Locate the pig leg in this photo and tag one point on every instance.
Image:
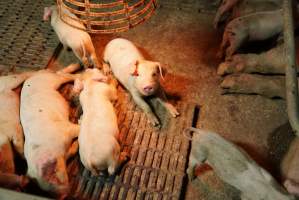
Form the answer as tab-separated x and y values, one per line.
18	140
70	68
169	107
94	60
72	150
81	55
106	68
146	108
6	155
198	157
236	39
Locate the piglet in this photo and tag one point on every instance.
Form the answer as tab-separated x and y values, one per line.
253	27
11	131
78	40
48	132
234	166
98	145
139	76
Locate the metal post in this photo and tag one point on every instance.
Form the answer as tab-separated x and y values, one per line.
291	69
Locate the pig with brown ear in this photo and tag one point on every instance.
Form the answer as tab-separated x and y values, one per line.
234	166
138	75
48	132
98	146
78	40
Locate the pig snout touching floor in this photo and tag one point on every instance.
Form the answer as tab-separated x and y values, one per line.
253	27
98	145
78	40
234	166
48	132
139	76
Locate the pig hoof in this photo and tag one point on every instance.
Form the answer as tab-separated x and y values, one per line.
155	122
222	69
174	112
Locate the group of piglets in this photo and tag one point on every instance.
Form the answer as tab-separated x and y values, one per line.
36	119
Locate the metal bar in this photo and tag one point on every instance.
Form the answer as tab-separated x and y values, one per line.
291	70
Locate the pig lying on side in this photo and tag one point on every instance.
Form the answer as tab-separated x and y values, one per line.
234	166
253	27
269	62
232	9
78	40
48	131
10	126
98	145
139	76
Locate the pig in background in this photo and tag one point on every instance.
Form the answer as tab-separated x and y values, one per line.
253	27
231	9
98	146
48	132
78	40
11	131
234	166
138	75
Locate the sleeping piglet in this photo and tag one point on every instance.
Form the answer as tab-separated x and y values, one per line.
233	166
48	132
98	145
253	27
11	131
78	40
139	76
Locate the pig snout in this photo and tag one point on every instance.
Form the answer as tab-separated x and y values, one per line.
148	89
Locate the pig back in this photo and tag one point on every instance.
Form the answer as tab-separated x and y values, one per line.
122	56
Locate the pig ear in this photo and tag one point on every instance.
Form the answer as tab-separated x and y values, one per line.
160	70
47	13
134	67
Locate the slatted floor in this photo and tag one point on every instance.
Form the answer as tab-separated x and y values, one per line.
157	164
158	158
26	42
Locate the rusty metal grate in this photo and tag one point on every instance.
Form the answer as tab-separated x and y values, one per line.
158	159
25	40
107	16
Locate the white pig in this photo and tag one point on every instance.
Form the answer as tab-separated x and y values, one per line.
78	40
98	145
48	131
11	131
139	76
234	166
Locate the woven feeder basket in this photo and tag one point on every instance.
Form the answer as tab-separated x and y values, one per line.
107	16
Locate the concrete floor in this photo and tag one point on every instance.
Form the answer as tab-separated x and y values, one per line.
180	36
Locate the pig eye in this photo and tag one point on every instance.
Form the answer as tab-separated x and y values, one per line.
154	74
